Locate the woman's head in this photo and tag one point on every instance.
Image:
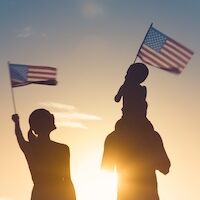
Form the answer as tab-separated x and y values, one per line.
137	72
41	121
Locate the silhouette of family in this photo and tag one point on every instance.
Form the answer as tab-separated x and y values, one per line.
134	148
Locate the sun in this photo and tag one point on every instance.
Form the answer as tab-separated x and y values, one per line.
101	185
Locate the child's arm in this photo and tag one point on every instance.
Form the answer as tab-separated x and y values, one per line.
144	92
20	138
119	94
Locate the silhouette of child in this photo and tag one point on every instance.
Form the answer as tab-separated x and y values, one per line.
133	93
48	161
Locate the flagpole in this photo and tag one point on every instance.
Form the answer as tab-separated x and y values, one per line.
143	42
12	91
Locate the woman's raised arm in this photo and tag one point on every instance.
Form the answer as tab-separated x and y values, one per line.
20	138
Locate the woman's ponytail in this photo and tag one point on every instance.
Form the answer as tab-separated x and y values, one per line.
31	136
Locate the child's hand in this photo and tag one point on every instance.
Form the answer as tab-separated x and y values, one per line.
118	98
15	118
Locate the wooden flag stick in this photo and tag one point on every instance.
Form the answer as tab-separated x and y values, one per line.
12	91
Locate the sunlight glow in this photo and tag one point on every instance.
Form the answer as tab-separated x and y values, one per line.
101	186
4	198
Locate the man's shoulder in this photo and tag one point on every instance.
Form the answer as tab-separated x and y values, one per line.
111	136
113	139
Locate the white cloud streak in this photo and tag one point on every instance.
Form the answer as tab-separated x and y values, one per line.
75	116
70	124
68	115
58	106
26	32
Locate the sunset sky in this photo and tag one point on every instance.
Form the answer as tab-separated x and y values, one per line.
92	43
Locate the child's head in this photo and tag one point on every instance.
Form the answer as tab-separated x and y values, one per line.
137	73
41	121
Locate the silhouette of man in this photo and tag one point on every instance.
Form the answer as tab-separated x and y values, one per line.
48	161
135	149
136	155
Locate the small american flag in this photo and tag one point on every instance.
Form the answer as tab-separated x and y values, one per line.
21	75
163	52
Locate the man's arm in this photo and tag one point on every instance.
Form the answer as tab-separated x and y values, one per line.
108	157
163	162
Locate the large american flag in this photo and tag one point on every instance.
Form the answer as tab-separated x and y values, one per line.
163	52
21	75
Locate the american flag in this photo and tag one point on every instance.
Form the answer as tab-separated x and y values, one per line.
163	52
21	75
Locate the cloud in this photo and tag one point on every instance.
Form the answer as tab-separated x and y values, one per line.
25	32
68	115
70	124
28	31
76	116
58	106
91	10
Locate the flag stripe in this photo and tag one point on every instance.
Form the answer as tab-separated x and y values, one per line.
41	76
42	70
41	67
157	63
152	59
41	73
181	46
183	54
50	75
160	57
152	62
157	56
38	79
174	55
169	45
164	54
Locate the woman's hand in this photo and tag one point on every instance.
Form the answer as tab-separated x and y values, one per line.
15	118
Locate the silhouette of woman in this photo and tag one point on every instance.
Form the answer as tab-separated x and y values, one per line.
48	161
